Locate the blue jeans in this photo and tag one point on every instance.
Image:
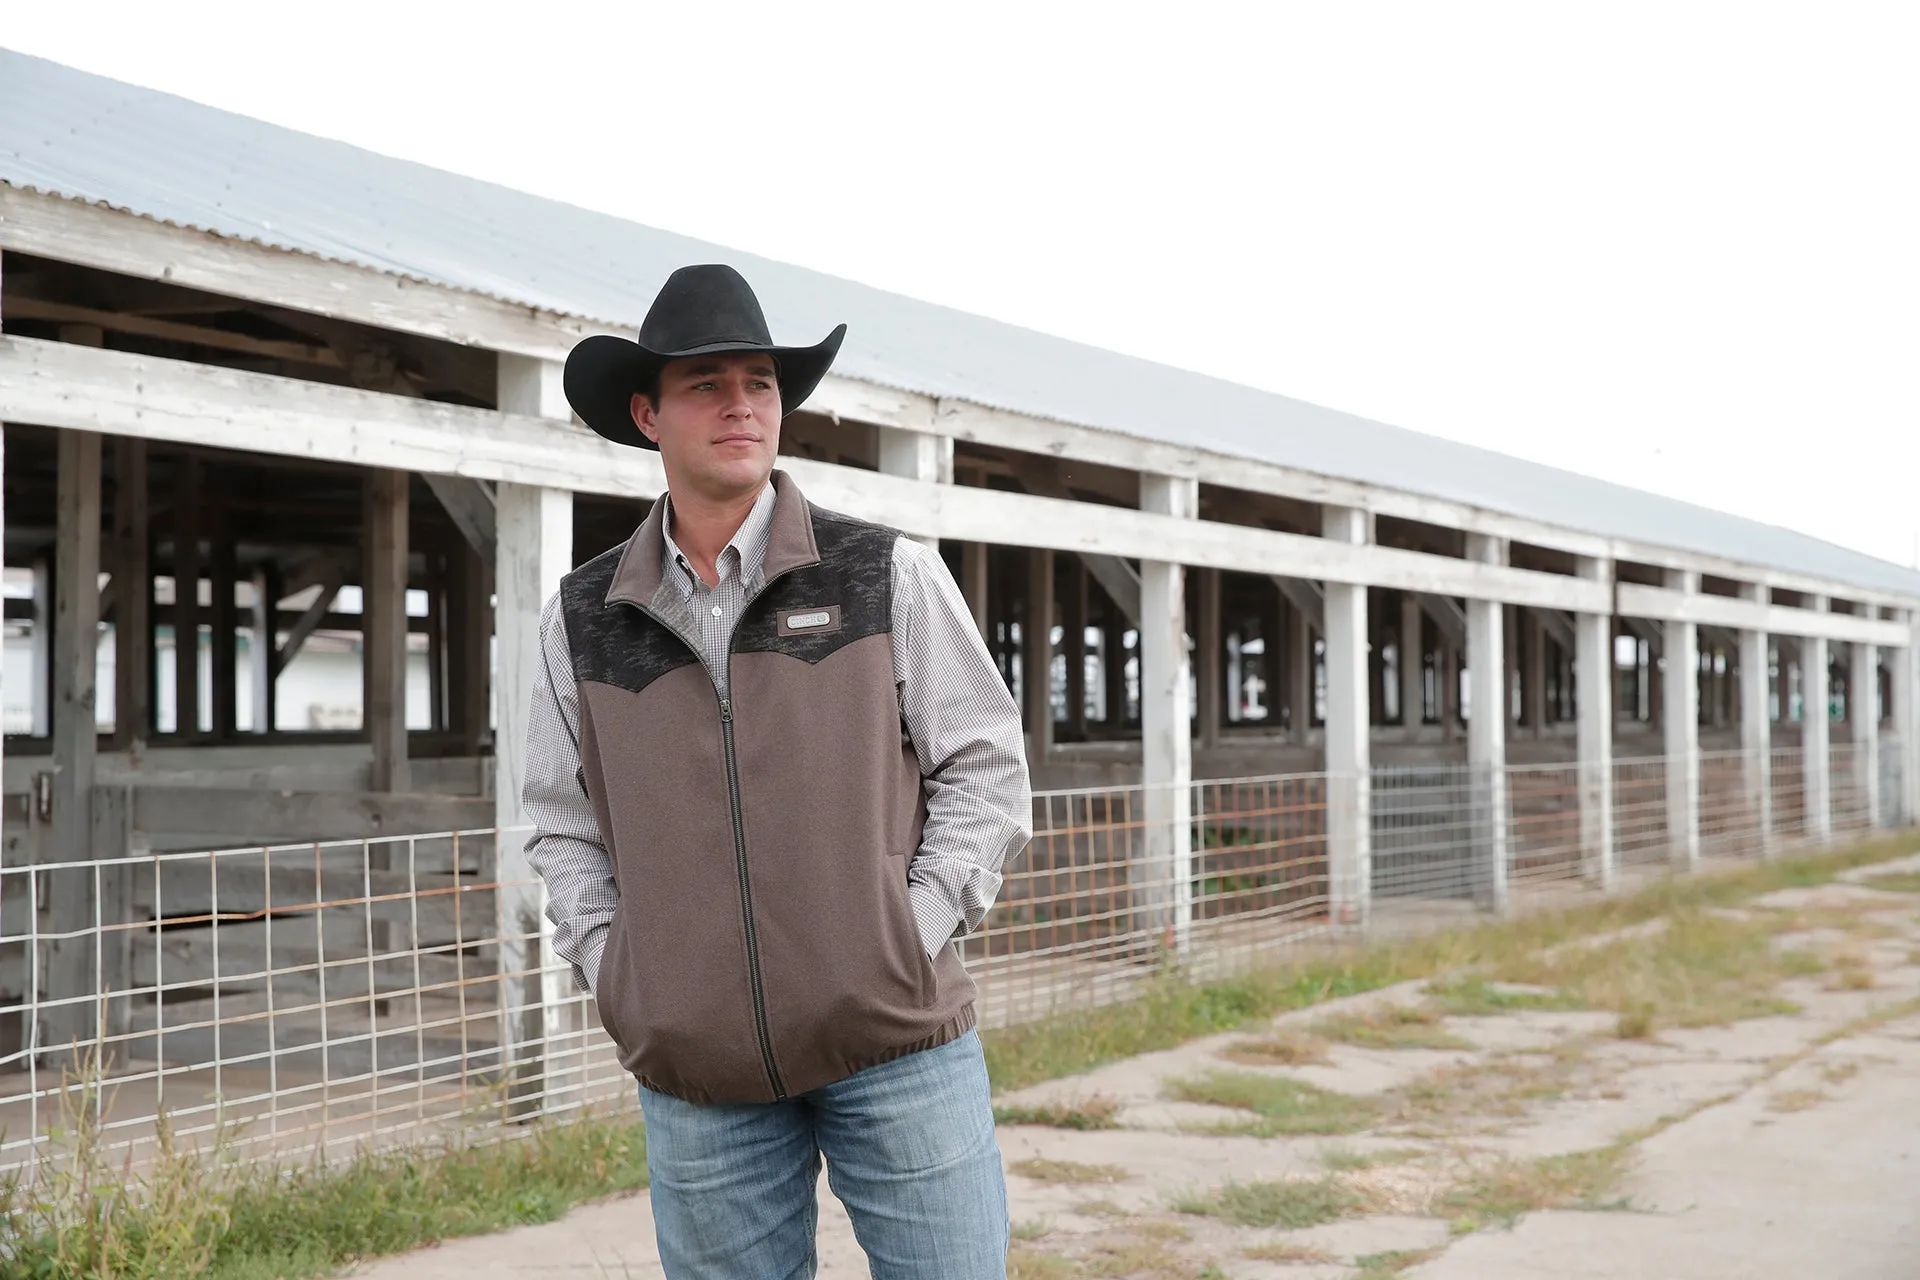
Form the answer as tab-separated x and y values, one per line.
910	1150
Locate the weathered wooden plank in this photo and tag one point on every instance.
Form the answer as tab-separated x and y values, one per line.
265	816
133	604
383	649
175	888
72	902
184	962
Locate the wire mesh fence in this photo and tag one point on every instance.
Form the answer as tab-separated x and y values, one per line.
317	998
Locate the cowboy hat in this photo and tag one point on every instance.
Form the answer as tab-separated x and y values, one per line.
703	310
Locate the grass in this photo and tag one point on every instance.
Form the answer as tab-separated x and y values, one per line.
1852	971
1501	1193
1284	1047
80	1215
1379	1266
1281	1107
1894	881
1096	1112
1475	1093
1791	1100
84	1215
1347	1160
1703	969
1474	996
1024	1263
1068	1171
1390	1027
1175	1010
1290	1204
1032	1229
1286	1252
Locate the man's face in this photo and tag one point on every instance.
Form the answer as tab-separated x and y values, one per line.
717	423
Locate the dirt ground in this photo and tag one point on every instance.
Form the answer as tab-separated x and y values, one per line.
1465	1129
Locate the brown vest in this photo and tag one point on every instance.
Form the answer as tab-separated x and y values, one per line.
764	945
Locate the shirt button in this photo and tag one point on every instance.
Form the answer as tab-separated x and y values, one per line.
716	611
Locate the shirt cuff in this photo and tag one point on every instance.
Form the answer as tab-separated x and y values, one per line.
590	958
935	915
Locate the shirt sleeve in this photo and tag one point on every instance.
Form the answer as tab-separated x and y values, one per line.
565	849
965	728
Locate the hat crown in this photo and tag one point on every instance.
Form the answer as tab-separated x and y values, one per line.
702	305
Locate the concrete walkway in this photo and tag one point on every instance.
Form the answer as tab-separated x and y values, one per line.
1785	1147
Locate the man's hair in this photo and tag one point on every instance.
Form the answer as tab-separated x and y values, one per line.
650	389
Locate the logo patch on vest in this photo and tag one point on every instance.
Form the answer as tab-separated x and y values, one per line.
809	622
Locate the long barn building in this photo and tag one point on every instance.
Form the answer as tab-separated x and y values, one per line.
321	389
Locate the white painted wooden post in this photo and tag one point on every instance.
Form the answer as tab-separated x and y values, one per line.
1863	709
1816	732
1593	688
917	455
1906	716
1680	723
1349	734
533	551
1487	719
1756	726
1166	723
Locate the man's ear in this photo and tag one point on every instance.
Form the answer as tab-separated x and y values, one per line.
642	409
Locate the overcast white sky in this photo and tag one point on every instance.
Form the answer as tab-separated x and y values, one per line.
1673	245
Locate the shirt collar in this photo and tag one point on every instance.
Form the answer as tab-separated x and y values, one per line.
748	545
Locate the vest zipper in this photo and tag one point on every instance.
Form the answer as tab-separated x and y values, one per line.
746	900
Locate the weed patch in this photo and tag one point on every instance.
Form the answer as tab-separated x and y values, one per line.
1283	1107
1068	1171
1291	1204
1096	1112
1501	1193
1347	1160
1285	1047
1392	1027
1473	996
1286	1252
1380	1266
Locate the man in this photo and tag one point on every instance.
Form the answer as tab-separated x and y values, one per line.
773	774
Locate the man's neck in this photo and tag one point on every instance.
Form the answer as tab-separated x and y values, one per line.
703	526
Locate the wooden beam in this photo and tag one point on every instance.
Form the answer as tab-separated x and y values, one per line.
133	610
223	574
383	609
1411	648
1447	615
917	455
1305	596
186	596
256	815
160	399
1073	622
470	633
1667	605
1560	626
70	905
1036	655
973	582
469	504
1208	649
309	621
173	331
264	655
54	227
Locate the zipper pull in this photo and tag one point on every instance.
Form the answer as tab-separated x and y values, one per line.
726	711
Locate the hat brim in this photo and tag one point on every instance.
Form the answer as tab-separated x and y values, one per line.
604	372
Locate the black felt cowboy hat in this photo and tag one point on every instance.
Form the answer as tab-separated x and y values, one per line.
700	311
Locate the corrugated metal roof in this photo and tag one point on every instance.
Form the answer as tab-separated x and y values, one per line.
89	138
